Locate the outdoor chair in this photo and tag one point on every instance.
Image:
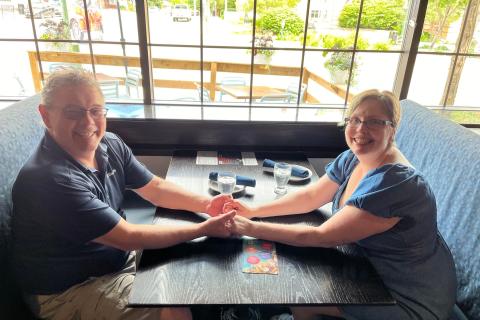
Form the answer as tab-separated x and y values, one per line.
231	81
292	89
133	80
205	93
277	98
109	88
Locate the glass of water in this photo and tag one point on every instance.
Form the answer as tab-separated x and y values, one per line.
282	172
226	182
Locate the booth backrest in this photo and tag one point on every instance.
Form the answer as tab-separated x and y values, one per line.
448	155
20	131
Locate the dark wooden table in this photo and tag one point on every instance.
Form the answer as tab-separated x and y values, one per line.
208	271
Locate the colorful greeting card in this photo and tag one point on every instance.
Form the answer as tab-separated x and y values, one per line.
259	256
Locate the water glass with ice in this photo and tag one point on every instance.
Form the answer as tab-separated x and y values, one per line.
226	182
282	172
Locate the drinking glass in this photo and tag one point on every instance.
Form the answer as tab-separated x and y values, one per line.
226	182
282	172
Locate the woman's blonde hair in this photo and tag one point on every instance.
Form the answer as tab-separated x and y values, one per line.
389	101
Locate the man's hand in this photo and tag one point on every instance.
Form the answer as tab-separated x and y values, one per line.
219	226
241	208
215	205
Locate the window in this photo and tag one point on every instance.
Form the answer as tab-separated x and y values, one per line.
282	60
448	60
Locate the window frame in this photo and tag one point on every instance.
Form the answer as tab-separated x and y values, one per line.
408	53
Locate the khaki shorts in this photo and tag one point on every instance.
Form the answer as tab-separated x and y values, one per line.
104	297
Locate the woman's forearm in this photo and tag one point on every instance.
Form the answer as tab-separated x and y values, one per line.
304	200
299	236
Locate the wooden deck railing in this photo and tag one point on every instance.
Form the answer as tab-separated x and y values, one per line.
211	66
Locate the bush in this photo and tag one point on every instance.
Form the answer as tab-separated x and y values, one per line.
442	48
313	40
383	46
376	14
272	22
342	42
339	60
426	37
155	3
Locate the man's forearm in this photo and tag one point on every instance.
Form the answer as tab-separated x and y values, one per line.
154	236
166	194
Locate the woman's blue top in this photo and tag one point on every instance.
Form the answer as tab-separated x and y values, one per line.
412	258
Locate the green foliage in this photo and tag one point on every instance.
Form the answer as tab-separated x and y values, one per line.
376	14
267	5
232	5
155	3
426	37
188	2
341	60
330	41
272	22
464	117
473	45
440	14
313	40
382	46
57	31
342	42
448	10
442	48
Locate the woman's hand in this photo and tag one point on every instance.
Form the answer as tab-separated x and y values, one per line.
241	208
216	204
242	225
220	226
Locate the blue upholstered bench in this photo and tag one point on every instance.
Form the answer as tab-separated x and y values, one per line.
448	155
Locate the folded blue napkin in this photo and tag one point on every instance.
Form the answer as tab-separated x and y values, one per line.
297	171
241	180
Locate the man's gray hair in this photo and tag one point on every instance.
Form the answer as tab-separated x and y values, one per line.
67	77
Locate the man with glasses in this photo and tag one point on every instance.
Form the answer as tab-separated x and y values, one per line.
73	249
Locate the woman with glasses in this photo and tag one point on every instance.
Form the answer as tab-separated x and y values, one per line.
381	203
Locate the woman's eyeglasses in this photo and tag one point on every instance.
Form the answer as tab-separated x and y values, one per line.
370	123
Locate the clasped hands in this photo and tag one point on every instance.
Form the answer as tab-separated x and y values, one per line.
228	217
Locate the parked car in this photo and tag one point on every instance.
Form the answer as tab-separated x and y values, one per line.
181	12
78	23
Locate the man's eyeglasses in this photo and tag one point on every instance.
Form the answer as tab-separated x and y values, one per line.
370	123
79	113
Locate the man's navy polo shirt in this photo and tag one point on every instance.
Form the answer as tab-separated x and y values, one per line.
60	206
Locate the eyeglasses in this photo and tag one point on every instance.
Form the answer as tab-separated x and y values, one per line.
370	123
79	113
